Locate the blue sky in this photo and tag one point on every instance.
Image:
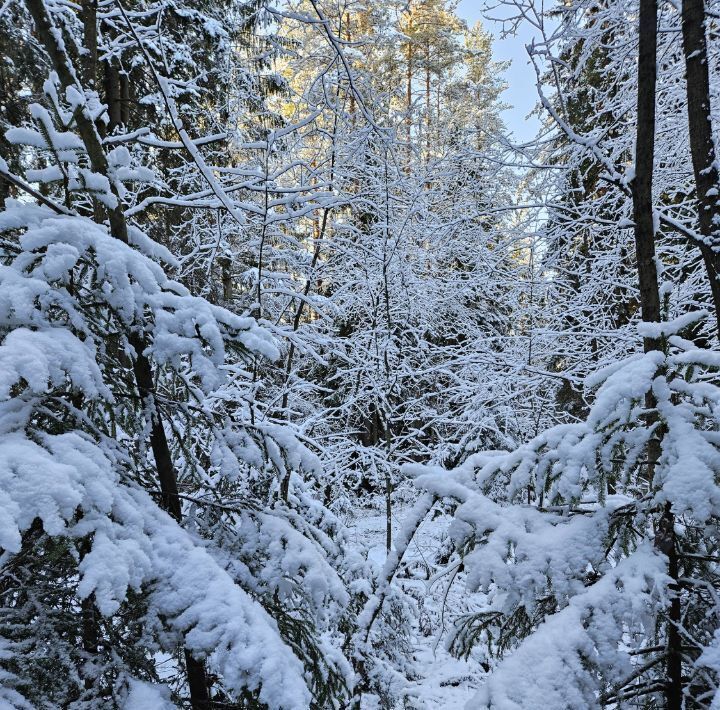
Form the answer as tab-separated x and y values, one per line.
520	77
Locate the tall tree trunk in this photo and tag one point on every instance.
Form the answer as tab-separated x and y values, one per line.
353	101
90	630
702	147
427	97
644	162
319	230
409	78
408	91
666	542
650	304
227	281
388	489
90	57
124	99
437	104
49	36
112	95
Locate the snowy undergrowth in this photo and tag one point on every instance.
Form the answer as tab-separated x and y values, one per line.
435	677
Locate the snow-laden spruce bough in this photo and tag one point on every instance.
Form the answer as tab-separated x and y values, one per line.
578	583
79	481
68	284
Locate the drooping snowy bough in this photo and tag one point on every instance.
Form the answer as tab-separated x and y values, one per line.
100	353
68	294
594	539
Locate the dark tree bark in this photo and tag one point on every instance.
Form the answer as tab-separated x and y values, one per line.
666	542
90	628
702	147
644	160
409	80
90	45
112	95
388	492
226	278
650	299
707	186
124	99
49	36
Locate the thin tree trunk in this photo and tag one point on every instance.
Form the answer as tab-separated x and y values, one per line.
112	95
644	161
318	238
408	91
427	96
437	102
353	102
90	635
702	147
388	491
409	78
49	36
285	483
124	99
90	57
389	326
226	277
665	541
650	304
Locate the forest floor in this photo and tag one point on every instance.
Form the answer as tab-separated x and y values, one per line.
439	679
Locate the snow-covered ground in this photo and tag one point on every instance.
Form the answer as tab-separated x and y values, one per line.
442	680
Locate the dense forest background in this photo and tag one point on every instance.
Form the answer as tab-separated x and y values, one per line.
319	391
